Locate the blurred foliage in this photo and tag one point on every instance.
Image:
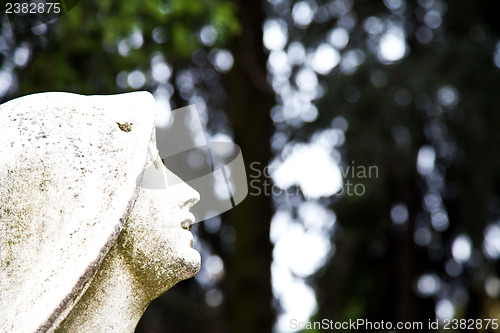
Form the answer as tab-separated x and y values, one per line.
86	48
375	270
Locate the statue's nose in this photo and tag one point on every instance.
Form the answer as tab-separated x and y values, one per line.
189	195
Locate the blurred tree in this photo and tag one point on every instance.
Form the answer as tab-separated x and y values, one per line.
250	98
416	84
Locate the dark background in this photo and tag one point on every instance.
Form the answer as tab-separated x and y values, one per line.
441	98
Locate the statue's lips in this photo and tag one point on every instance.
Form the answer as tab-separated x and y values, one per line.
186	224
186	237
188	221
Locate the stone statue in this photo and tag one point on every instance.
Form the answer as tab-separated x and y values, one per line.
90	229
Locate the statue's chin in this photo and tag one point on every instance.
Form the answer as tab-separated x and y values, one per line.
191	263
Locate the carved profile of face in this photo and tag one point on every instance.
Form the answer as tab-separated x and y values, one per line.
156	241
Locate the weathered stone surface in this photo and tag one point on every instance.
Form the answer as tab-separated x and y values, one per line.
153	252
70	166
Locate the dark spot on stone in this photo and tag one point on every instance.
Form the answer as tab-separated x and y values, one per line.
44	186
126	127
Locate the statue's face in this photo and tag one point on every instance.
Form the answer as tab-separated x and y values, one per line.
156	241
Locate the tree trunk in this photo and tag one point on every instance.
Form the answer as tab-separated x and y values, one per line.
249	303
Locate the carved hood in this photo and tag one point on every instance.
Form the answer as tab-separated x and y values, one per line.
69	169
